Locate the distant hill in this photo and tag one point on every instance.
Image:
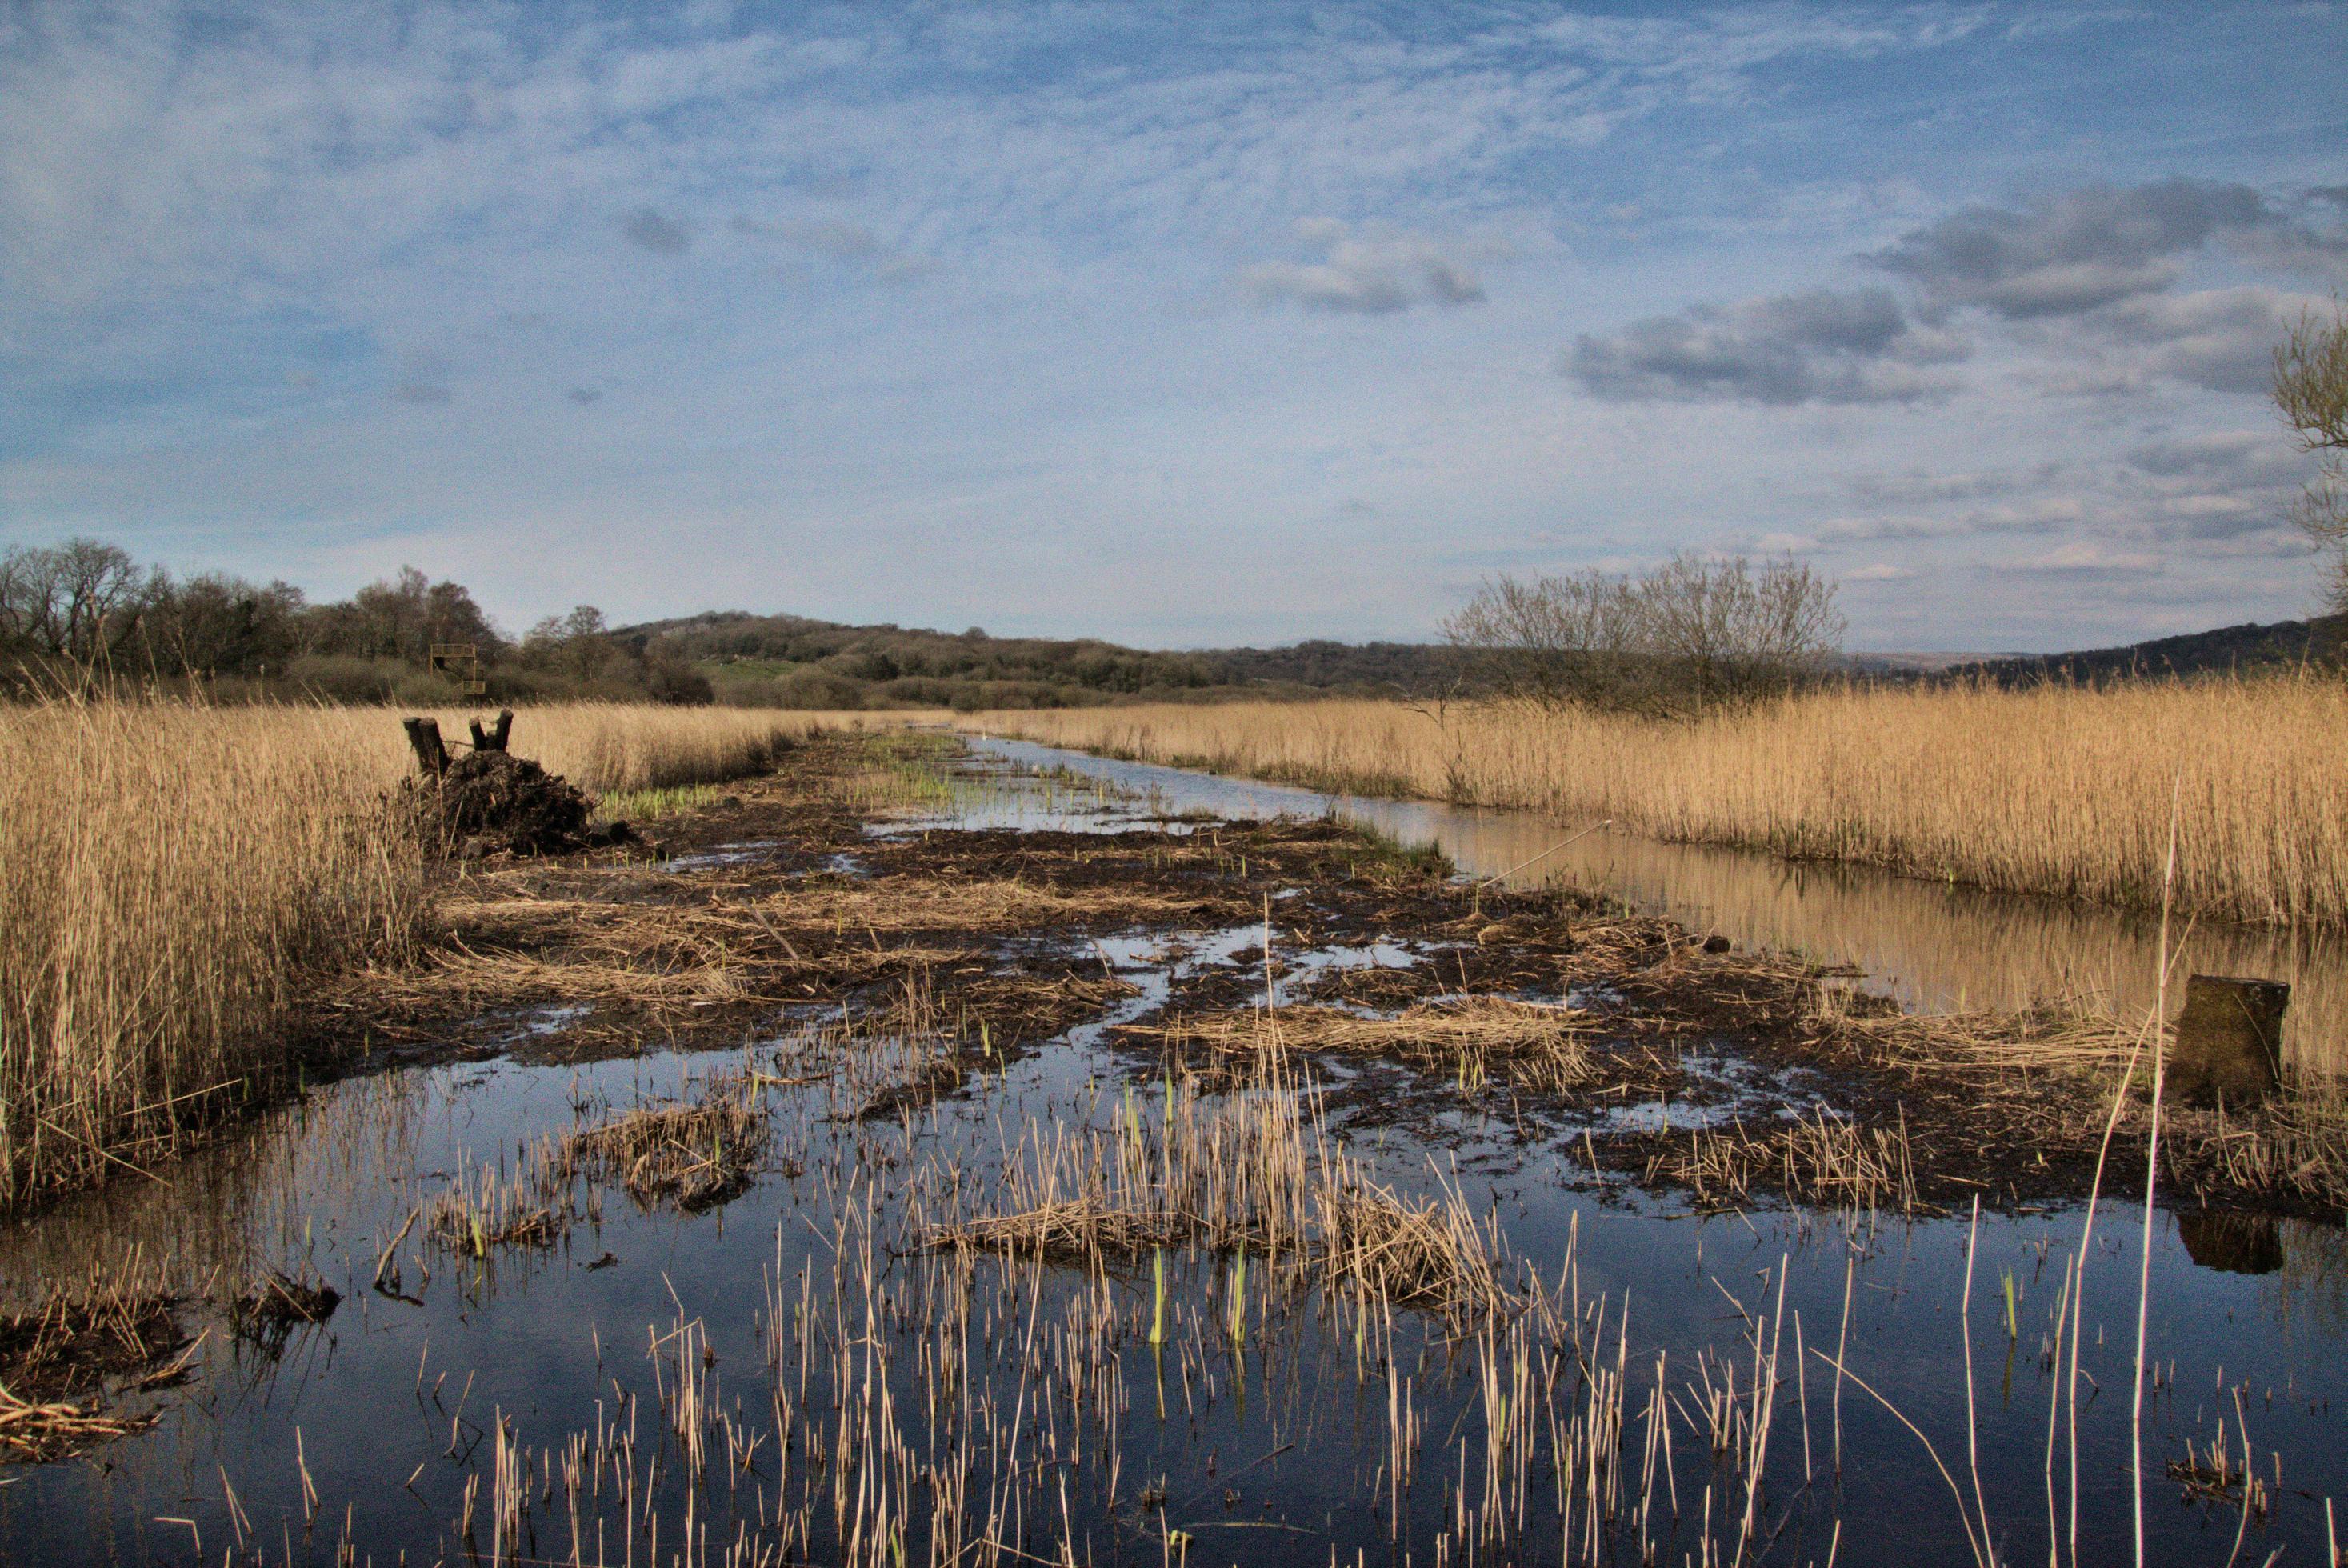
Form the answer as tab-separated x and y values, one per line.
2243	649
790	661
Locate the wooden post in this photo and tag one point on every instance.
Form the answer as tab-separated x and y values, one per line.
431	755
493	739
2229	1040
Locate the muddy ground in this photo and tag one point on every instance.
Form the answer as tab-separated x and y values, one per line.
1656	1056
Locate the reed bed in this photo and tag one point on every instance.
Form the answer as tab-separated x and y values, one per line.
2057	790
172	877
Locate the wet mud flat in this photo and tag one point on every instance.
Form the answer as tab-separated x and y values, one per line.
863	879
919	1160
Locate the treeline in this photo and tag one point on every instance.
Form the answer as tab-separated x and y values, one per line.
1366	669
86	612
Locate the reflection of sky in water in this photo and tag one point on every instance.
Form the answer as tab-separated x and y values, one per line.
342	1172
1933	947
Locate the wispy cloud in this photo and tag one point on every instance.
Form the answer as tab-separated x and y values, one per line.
2085	558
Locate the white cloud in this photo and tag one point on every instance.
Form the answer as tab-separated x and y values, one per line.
1365	275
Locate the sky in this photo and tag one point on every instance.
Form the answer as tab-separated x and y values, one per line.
1183	324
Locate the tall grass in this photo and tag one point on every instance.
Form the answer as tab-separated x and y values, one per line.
2057	790
170	874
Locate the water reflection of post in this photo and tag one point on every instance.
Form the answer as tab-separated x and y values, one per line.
2232	1243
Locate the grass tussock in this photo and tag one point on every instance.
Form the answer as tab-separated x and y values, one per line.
2058	790
1251	1171
477	1213
1817	1159
694	1155
172	876
61	1358
651	805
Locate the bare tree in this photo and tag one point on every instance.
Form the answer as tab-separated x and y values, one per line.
1692	634
1724	631
80	601
1555	640
2311	390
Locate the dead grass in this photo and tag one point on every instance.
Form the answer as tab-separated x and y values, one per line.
694	1155
1817	1159
487	1209
2056	790
1248	1171
60	1360
1541	1047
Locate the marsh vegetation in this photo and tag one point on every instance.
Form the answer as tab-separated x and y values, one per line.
926	1155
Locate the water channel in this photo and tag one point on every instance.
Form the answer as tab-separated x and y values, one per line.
1937	947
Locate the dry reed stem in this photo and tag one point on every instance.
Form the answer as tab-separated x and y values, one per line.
35	1432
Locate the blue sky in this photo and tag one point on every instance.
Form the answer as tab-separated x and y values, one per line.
1179	324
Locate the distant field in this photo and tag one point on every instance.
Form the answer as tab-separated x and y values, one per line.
169	874
2061	790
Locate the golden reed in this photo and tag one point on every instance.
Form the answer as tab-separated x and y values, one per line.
169	874
2055	790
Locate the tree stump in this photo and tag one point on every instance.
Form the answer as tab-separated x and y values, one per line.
2228	1044
431	755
